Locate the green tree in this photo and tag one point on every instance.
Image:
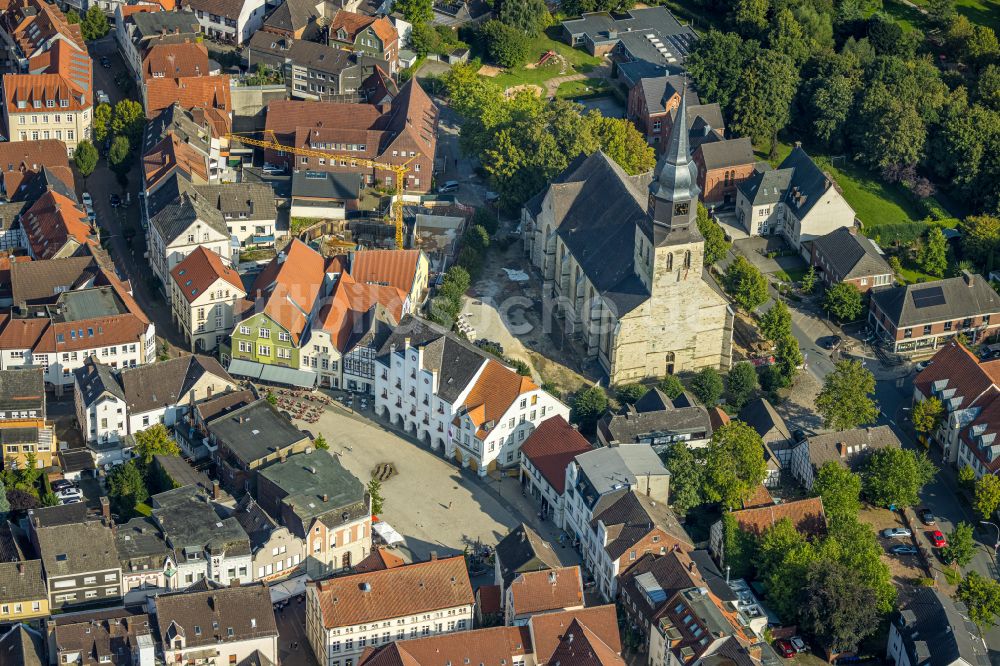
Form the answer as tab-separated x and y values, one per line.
980	239
507	46
750	17
716	245
417	12
716	62
894	477
889	127
126	488
734	464
808	281
529	17
588	406
987	495
628	394
4	503
981	596
741	384
782	560
844	301
855	545
101	123
72	17
776	323
95	24
85	158
787	359
786	36
739	547
927	415
845	400
622	142
320	443
745	283
118	156
837	608
154	441
940	12
271	398
128	120
762	106
707	386
477	238
895	265
967	477
840	489
686	473
961	545
934	255
671	386
375	492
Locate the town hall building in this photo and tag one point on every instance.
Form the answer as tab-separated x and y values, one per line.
622	262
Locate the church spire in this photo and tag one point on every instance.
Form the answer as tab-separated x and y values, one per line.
674	190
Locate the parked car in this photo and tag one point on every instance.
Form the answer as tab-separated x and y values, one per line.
798	644
272	169
923	365
492	197
449	186
105	62
938	540
62	484
69	493
927	517
784	648
71	500
830	341
115	200
902	549
896	533
87	200
102	97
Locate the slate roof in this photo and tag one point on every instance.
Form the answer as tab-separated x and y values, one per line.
710	572
226	615
149	24
455	360
657	91
597	207
255	521
633	516
326	186
551	447
845	446
850	254
523	550
255	431
141	546
22	646
766	186
644	422
61	514
96	379
760	415
936	631
612	469
917	304
340	65
22	390
253	200
176	120
175	218
37	282
727	153
167	382
807	178
292	15
670	573
22	581
77	548
101	634
403	591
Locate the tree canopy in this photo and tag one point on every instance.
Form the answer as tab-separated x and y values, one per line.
981	596
776	323
686	477
588	406
745	283
734	464
894	477
85	158
707	386
987	495
844	301
154	441
840	489
845	400
741	384
927	415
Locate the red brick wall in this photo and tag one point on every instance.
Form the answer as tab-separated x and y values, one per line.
648	545
713	183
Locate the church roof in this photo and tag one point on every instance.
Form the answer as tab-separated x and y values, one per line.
676	174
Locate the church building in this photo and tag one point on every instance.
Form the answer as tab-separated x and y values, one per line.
621	260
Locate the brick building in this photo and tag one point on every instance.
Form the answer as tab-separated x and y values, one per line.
845	256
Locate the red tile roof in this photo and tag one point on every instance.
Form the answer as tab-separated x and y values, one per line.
760	497
53	222
494	392
488	600
494	646
354	23
548	631
200	270
211	94
351	301
172	154
20	160
393	267
539	591
128	10
807	516
961	372
178	60
552	447
399	592
378	560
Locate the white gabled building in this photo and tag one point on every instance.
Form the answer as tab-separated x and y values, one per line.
204	290
449	393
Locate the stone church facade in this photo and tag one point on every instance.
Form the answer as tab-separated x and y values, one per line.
621	258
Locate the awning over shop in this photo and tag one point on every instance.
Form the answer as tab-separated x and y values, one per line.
290	376
245	368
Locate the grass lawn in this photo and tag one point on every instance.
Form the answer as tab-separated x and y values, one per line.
983	12
576	61
586	87
906	16
874	201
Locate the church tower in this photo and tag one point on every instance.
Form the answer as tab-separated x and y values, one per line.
673	194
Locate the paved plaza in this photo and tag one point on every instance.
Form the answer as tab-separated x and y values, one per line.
433	503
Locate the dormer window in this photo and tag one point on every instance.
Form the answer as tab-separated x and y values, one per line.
64	103
37	104
21	104
50	103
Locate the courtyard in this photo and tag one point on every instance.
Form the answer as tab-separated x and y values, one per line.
433	503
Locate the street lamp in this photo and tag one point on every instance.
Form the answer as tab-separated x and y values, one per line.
996	546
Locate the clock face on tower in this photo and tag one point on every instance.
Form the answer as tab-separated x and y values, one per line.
681	208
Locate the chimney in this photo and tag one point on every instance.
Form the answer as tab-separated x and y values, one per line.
969	278
326	498
434	555
798	144
841	449
283	456
552	577
20	568
106	510
216	492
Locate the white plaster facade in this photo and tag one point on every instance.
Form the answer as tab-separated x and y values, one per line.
164	254
207	320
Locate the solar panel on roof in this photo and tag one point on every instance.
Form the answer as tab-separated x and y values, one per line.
928	297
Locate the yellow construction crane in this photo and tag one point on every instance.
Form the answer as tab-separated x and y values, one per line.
400	170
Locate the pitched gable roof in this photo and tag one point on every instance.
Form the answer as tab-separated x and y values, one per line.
967	295
550	630
807	515
850	254
201	269
496	389
288	287
56	226
541	591
957	378
551	447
